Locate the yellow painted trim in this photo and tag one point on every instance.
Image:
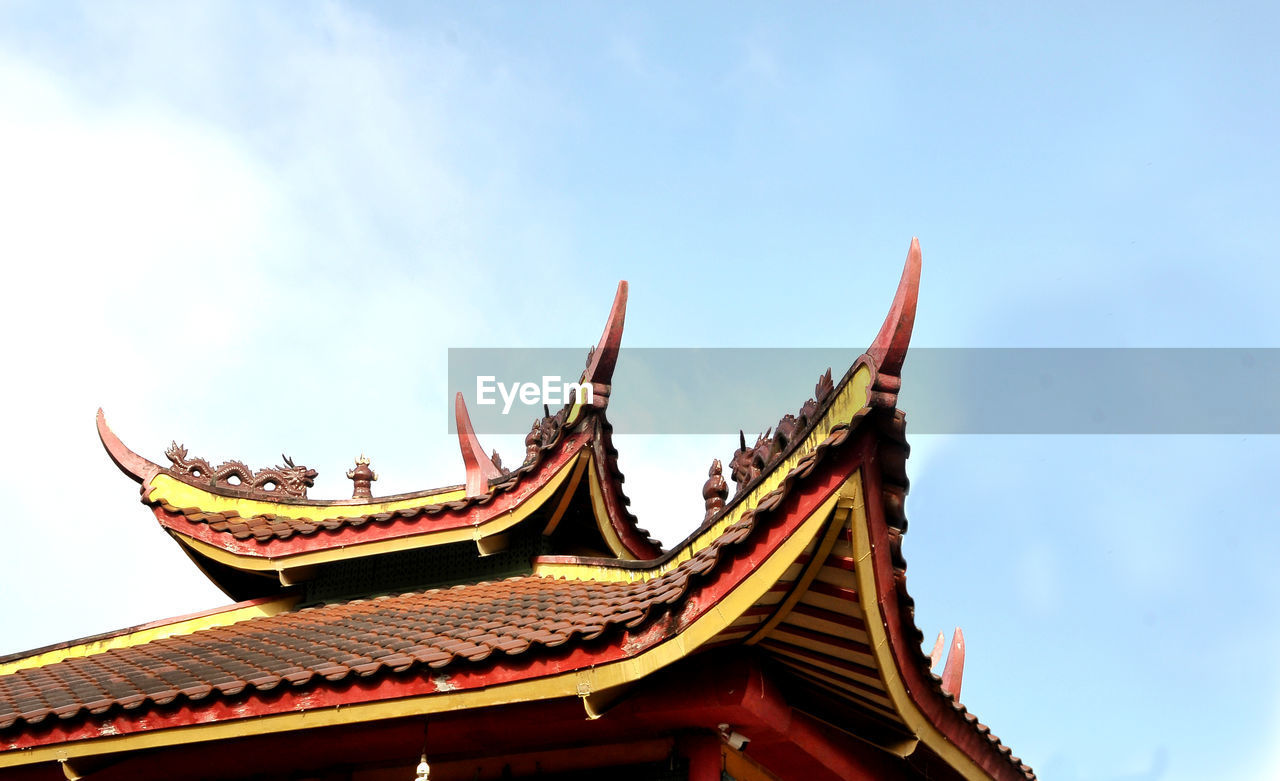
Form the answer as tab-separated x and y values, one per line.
579	683
602	518
567	497
810	573
851	399
150	633
174	492
879	642
438	537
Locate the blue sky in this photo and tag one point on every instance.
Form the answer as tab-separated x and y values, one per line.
258	228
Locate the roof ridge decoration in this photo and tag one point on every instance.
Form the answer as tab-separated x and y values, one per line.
286	480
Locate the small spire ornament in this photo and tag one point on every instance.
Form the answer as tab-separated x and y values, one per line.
363	478
715	490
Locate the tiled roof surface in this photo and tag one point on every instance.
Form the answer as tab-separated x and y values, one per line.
332	642
434	629
361	638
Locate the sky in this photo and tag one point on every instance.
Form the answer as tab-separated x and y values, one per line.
257	228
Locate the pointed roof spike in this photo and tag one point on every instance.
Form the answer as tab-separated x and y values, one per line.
935	655
953	673
889	349
605	356
480	468
132	464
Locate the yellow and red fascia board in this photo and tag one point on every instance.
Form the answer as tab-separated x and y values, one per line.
613	510
925	708
472	522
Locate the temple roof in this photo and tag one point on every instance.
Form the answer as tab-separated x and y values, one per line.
237	523
803	566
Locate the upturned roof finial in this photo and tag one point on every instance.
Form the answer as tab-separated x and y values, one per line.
480	467
889	350
604	356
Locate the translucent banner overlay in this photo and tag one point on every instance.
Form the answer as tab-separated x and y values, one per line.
944	390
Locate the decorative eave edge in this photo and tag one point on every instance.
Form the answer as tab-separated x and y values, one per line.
935	696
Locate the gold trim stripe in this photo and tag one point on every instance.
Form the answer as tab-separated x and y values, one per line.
172	491
408	542
816	562
149	633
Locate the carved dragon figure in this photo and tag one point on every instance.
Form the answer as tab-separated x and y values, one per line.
750	462
289	480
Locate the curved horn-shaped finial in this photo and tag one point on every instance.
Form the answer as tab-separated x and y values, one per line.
605	357
935	655
480	469
889	349
953	673
132	464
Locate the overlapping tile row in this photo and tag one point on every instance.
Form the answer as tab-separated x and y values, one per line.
361	638
330	643
268	526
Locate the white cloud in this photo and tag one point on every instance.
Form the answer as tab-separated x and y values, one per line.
244	260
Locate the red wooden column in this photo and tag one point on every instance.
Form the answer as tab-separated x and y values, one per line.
702	749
